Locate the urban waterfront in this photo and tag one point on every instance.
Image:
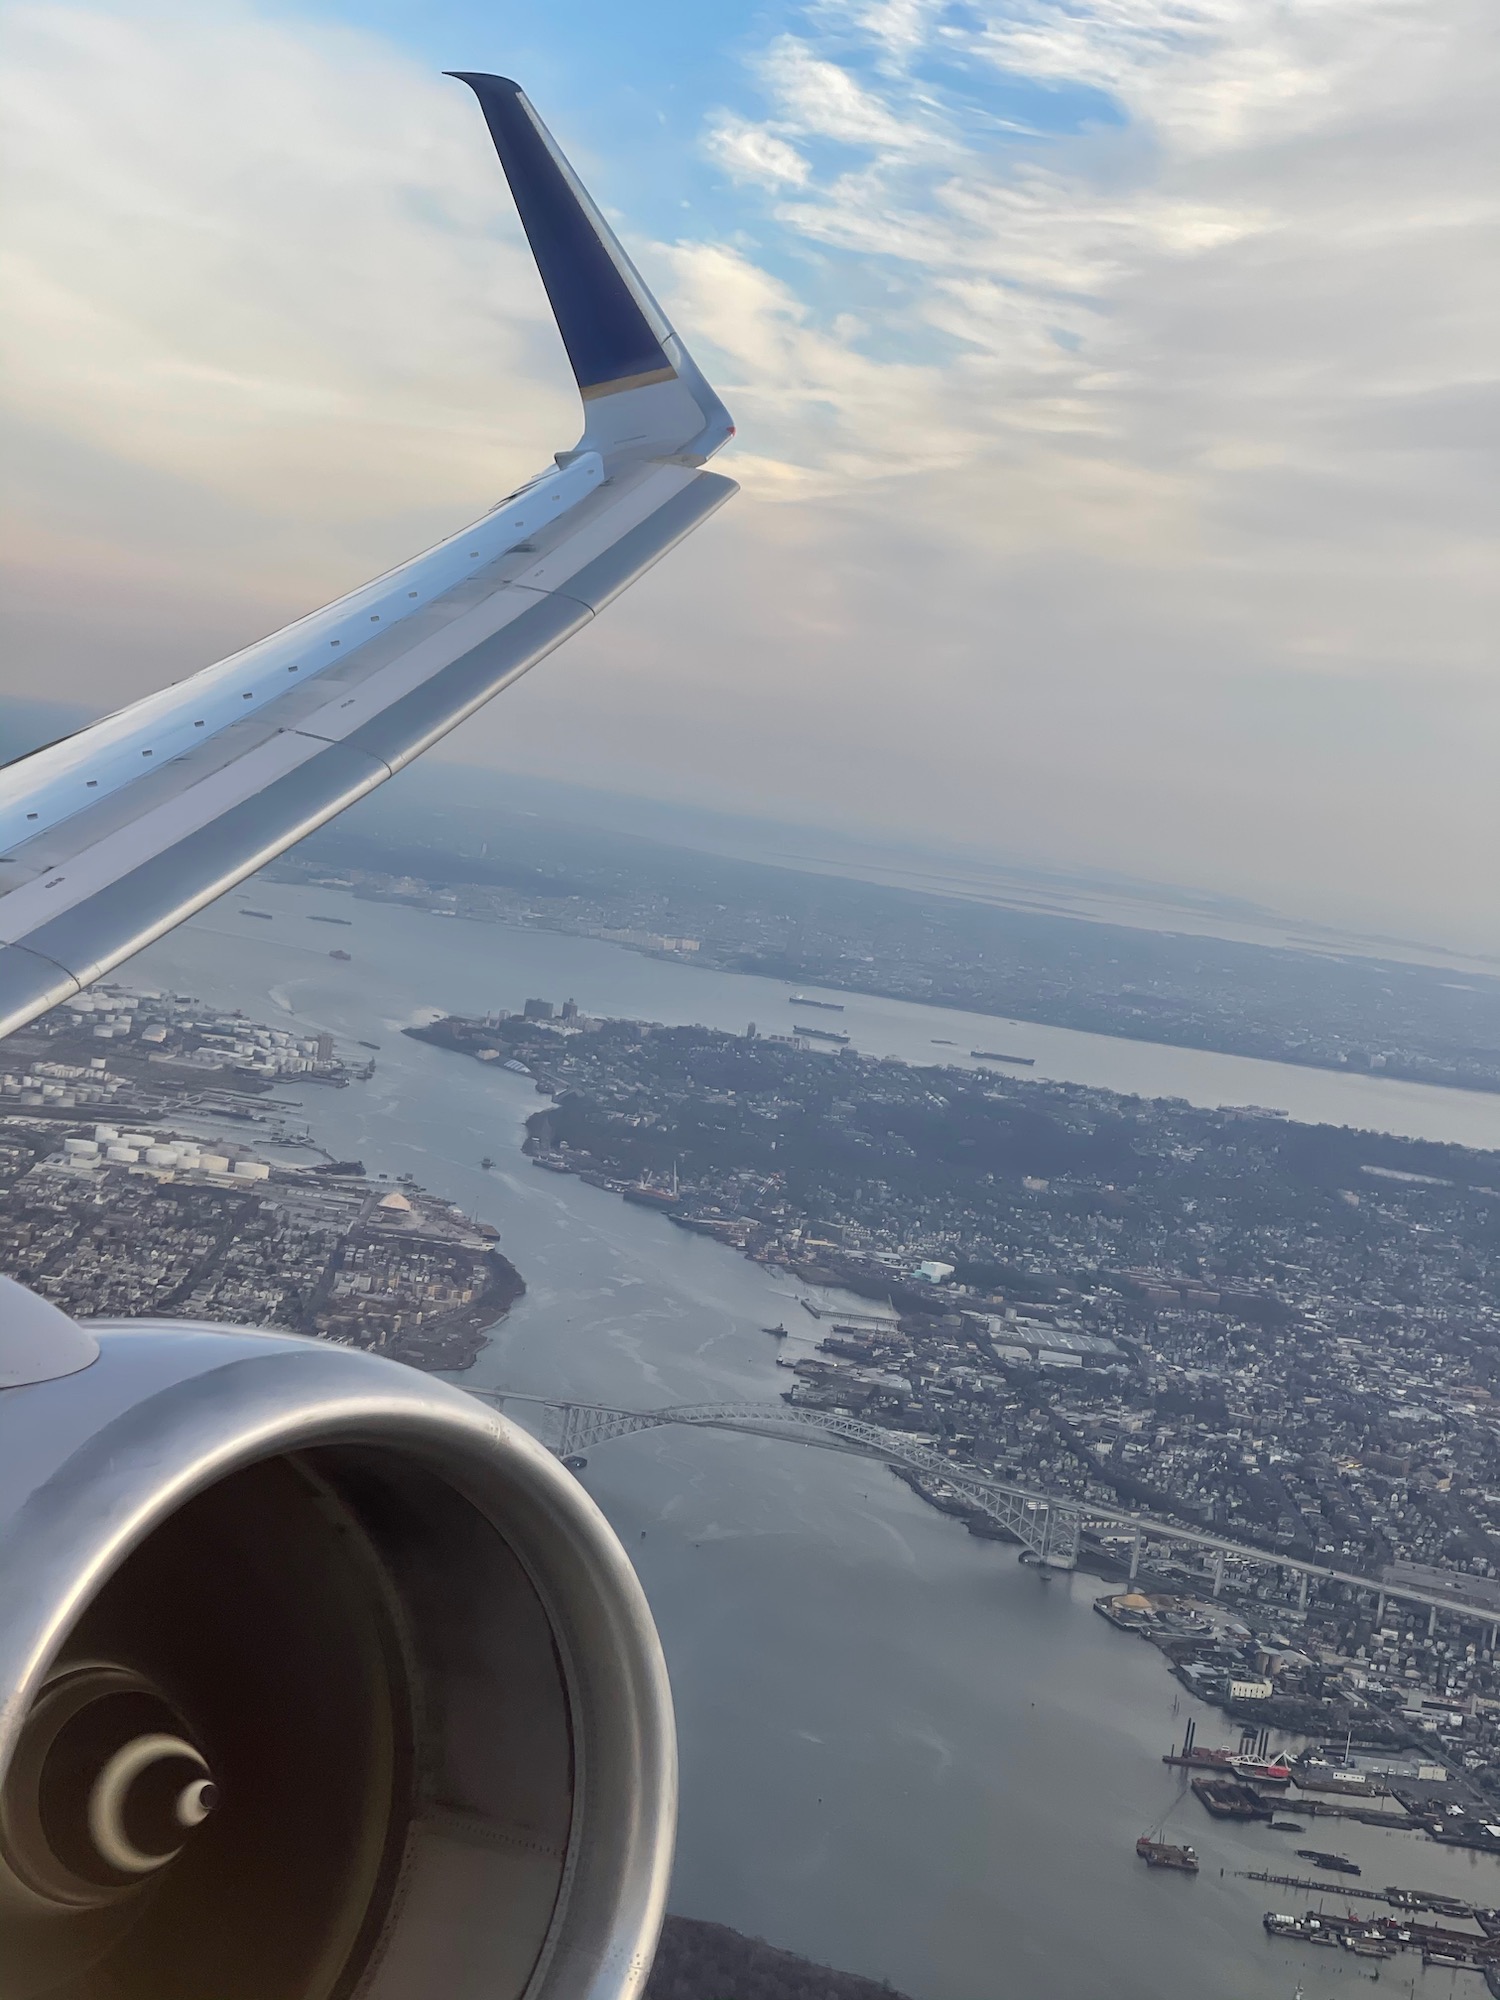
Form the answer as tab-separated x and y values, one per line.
902	1752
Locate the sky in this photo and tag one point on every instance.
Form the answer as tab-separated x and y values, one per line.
1116	385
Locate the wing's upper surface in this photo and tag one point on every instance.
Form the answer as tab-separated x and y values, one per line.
114	835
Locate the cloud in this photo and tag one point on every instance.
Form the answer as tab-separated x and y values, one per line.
314	312
1206	74
750	152
822	100
1196	384
897	29
841	417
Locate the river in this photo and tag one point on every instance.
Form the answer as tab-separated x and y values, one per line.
902	1752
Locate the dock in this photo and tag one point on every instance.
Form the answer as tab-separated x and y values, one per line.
1432	1902
1323	1886
1383	1937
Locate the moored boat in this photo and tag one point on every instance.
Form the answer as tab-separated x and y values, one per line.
1339	1863
1164	1854
1257	1771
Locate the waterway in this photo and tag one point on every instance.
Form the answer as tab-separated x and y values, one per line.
462	967
902	1752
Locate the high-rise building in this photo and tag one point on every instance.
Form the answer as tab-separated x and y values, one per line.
537	1010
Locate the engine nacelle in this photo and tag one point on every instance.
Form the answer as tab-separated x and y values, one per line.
318	1681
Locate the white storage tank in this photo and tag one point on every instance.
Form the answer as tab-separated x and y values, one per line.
213	1163
252	1170
81	1149
104	1133
161	1156
125	1156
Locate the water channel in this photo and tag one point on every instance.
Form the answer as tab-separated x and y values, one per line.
903	1753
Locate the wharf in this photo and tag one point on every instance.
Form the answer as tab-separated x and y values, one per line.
1388	1935
1409	1900
1323	1887
1365	1815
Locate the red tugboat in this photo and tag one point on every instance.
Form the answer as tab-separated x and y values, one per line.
1257	1771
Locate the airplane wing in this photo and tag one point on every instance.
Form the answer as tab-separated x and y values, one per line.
112	836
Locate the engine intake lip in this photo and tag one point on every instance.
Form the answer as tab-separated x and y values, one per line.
99	1462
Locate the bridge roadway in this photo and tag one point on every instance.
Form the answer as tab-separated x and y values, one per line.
1048	1524
1037	1520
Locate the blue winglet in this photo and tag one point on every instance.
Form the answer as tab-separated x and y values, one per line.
604	312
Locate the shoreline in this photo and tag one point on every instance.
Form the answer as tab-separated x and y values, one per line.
804	1644
747	966
453	1345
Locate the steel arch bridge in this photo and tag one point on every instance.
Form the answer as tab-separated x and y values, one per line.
1049	1529
1047	1525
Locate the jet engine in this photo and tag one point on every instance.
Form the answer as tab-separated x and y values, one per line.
318	1681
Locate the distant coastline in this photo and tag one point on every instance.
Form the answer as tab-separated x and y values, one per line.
1133	1022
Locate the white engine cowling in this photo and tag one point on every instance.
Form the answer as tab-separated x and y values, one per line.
318	1681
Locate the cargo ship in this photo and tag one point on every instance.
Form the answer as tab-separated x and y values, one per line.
1162	1854
827	1006
649	1197
996	1055
1307	1930
342	956
265	915
820	1034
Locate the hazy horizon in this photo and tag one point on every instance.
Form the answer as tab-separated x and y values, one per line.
472	802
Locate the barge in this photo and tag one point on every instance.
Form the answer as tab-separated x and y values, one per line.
1339	1864
1230	1798
1163	1854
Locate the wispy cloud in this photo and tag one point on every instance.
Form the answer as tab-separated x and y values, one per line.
344	274
822	100
751	152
